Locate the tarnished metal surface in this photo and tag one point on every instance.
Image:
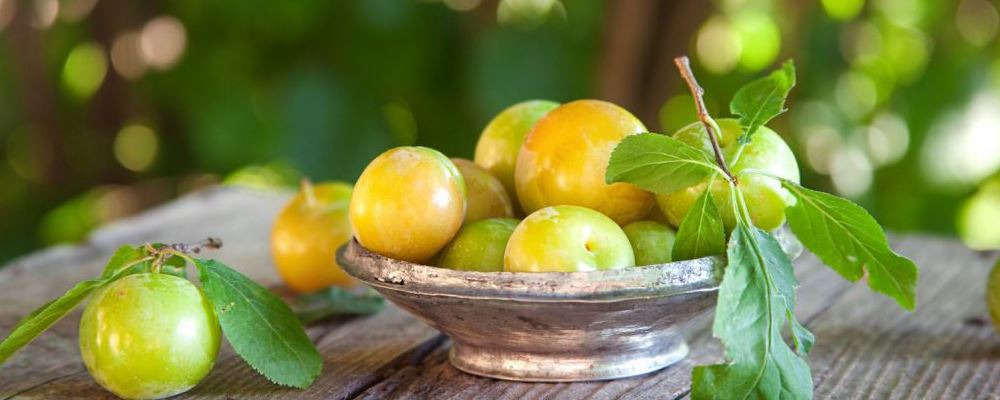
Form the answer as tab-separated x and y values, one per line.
549	326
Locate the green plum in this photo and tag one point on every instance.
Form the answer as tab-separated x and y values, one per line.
567	239
479	246
652	242
485	195
766	199
501	140
149	336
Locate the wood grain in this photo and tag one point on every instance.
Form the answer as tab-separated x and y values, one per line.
867	347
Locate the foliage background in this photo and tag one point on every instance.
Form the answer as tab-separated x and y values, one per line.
108	107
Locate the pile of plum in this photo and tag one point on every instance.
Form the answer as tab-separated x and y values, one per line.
546	162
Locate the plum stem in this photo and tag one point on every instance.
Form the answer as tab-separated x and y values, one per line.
684	66
308	192
195	248
182	250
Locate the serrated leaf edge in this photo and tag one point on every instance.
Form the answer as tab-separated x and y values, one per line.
313	374
908	304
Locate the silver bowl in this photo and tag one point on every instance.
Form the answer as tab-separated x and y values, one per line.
552	326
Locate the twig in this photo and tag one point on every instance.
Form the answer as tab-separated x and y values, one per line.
684	66
195	248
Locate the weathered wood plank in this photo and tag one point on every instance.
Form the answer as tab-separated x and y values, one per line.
355	356
871	349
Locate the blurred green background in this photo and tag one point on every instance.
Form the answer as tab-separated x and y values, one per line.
108	107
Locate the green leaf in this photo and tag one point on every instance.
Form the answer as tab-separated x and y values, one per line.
802	337
175	266
336	301
259	326
44	317
759	101
850	241
701	233
657	163
122	257
755	301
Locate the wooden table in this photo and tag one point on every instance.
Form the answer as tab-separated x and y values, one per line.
867	347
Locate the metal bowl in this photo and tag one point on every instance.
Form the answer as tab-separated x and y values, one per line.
552	326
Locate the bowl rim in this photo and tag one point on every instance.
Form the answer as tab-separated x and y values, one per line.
643	282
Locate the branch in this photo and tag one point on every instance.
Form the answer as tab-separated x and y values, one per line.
195	248
684	66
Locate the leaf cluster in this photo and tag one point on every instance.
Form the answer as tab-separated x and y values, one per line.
756	301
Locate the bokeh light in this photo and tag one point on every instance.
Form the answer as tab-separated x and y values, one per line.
856	94
813	123
843	10
718	45
887	139
860	40
905	13
978	217
880	74
162	42
977	21
135	147
528	14
963	148
44	13
760	39
822	143
85	69
907	50
851	172
126	57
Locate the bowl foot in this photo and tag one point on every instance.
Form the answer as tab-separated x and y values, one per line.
566	367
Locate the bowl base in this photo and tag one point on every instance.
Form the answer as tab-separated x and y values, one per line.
517	366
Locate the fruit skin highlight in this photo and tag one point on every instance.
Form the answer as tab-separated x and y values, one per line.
652	242
408	204
485	194
567	239
306	236
564	158
149	336
479	246
498	145
765	197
